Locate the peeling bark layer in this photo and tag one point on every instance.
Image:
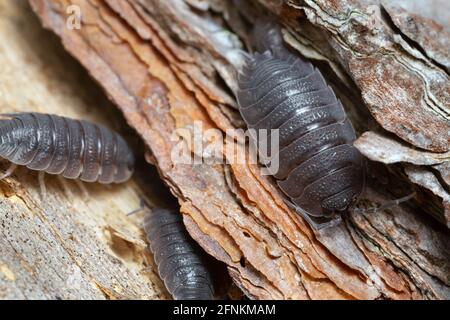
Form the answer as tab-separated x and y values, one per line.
168	64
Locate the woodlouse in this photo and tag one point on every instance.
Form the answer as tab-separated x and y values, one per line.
320	171
181	263
75	149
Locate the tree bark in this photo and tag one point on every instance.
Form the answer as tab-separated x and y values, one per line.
168	64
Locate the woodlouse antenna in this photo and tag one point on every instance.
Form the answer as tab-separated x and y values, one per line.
142	208
386	205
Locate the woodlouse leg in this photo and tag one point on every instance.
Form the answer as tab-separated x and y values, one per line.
387	205
9	172
64	184
42	187
83	189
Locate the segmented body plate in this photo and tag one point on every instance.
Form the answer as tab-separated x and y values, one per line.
75	149
181	263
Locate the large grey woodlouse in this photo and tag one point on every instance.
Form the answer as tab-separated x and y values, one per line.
320	171
75	149
181	263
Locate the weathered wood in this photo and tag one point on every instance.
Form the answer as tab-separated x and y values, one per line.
67	246
167	64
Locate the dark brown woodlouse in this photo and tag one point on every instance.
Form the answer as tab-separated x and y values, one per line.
75	149
320	171
181	263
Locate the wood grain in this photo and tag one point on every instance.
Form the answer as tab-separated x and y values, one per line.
67	246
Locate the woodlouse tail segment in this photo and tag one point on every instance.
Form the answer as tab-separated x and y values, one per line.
182	265
248	57
7	145
386	205
266	35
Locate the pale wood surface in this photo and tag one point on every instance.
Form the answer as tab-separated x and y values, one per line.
67	246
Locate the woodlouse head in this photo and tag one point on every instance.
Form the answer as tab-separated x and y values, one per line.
126	168
266	34
126	161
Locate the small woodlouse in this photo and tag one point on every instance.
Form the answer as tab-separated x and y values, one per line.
320	171
75	149
182	265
